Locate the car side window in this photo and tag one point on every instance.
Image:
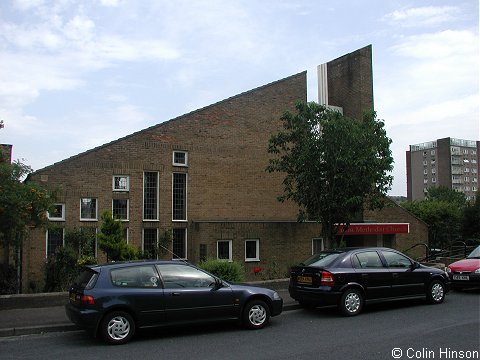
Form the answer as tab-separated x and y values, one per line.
144	276
176	276
367	260
395	260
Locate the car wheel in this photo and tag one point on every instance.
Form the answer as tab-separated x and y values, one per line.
351	302
117	327
256	314
436	292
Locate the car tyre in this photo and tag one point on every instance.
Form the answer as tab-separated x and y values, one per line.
436	292
117	327
351	302
256	314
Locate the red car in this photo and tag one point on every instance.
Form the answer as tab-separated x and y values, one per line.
466	273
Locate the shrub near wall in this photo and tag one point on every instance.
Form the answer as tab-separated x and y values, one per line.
229	271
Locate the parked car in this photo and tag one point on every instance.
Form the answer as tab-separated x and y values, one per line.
466	273
113	300
349	278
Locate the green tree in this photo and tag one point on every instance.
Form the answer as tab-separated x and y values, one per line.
442	210
112	242
471	219
22	205
444	193
334	166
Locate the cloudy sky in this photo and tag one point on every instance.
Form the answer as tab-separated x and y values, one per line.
77	74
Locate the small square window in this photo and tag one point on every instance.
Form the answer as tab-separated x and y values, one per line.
252	250
88	209
120	209
121	183
180	158
224	250
57	213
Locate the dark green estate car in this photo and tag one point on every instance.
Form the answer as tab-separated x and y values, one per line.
115	299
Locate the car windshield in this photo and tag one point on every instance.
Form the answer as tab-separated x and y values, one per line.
321	259
475	253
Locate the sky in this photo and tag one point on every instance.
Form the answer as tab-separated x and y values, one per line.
78	74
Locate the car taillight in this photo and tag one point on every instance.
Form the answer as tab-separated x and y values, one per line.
86	299
327	279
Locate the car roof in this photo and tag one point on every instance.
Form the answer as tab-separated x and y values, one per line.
120	264
354	249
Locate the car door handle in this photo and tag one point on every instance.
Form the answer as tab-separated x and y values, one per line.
395	275
175	294
365	276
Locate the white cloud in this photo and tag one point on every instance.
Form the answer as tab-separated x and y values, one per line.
28	4
438	45
110	3
423	16
79	28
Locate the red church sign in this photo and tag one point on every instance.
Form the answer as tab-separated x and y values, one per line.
374	228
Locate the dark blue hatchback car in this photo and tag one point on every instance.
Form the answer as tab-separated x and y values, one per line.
115	299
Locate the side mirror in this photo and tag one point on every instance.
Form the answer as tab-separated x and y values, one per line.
218	284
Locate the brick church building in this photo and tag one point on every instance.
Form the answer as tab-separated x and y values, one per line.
202	176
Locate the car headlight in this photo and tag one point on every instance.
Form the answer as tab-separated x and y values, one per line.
477	271
277	297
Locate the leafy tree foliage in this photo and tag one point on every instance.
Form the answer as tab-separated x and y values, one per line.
444	193
442	210
471	219
112	242
62	267
22	205
334	166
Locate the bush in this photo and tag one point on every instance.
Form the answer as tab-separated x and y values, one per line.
229	271
8	280
60	270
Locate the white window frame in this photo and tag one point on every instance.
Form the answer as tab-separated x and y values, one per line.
46	240
185	239
96	239
322	244
230	259
128	210
57	218
157	198
257	250
96	209
127	178
174	163
186	197
143	238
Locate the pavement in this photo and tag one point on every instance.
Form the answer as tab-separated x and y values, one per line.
38	320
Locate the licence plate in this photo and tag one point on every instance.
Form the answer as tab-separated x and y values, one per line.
461	277
304	280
